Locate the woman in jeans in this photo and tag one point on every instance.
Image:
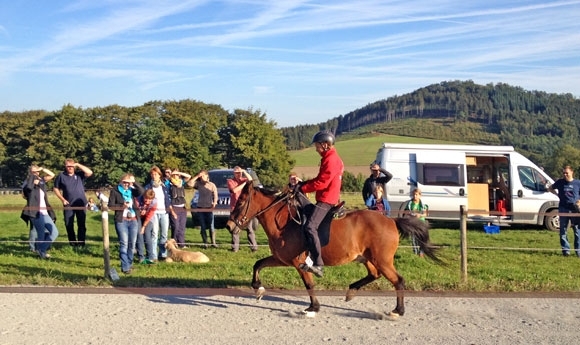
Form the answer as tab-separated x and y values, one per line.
126	225
38	210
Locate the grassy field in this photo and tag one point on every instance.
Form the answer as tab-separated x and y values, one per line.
513	260
516	259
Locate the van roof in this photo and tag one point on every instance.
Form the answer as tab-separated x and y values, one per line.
467	148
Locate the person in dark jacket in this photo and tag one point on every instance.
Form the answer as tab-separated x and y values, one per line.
326	185
38	210
126	224
379	176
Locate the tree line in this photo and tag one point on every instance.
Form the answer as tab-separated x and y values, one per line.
541	125
187	134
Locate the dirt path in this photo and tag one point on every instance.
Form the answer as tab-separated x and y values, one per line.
226	316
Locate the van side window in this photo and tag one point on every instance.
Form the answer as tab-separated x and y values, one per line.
532	179
440	174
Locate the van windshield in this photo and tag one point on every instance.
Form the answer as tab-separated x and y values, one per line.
532	179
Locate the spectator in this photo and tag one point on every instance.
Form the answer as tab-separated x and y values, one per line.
293	180
167	177
69	188
379	176
207	200
91	206
235	186
327	186
167	182
416	208
161	219
378	202
38	210
147	208
126	225
178	210
568	190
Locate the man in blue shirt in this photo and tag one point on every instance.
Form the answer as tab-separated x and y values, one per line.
569	194
70	189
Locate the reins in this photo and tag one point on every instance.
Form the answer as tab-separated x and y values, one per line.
244	218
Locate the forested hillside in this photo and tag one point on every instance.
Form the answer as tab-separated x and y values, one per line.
537	123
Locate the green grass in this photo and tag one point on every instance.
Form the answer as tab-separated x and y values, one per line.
522	259
358	150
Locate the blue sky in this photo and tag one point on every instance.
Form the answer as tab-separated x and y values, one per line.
300	62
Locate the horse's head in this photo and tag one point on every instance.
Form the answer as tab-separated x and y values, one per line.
243	211
251	203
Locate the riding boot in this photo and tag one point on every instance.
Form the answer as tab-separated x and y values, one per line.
213	244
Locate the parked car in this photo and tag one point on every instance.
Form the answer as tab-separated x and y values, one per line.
222	210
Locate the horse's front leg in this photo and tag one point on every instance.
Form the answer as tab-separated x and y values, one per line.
270	261
308	280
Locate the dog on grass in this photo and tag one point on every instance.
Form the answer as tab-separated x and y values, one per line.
178	255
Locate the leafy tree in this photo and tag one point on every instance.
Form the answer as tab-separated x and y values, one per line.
250	140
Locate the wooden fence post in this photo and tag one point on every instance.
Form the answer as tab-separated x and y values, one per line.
463	241
109	273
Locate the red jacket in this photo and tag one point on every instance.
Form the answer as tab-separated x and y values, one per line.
328	182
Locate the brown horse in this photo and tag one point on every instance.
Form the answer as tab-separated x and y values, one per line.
365	236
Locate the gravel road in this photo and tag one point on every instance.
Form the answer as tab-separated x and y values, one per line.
233	316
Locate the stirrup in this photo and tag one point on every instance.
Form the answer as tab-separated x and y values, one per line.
338	210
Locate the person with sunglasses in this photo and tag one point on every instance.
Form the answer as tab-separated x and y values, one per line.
121	200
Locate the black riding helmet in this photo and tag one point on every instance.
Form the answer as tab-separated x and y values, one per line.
323	137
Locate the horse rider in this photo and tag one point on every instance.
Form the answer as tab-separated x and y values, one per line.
327	185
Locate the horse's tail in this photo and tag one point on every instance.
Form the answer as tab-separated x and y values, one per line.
414	227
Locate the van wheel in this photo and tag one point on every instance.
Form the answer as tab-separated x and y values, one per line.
552	222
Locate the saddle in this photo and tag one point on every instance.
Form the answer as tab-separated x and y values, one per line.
336	212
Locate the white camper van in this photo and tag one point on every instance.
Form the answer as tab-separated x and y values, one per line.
496	183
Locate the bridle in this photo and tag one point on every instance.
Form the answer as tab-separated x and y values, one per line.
240	221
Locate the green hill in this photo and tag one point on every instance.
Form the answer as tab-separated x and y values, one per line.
541	126
358	149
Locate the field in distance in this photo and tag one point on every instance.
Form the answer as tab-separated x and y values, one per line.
357	153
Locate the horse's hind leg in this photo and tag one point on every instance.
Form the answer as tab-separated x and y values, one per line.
270	261
372	275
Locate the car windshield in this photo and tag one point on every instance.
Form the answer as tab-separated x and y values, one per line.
220	178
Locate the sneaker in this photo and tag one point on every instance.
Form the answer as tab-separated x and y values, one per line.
43	255
146	262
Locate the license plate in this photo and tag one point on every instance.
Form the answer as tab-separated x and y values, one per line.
221	212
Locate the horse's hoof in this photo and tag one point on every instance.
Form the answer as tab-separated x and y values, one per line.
393	315
350	295
260	293
309	313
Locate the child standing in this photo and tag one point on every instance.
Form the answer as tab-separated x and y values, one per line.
416	208
378	202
